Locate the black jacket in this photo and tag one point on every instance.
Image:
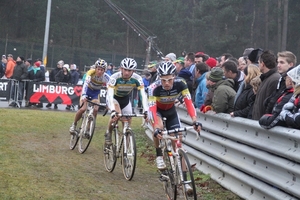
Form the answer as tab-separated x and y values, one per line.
244	103
53	74
39	76
20	72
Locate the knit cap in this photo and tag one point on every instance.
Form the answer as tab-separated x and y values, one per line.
216	74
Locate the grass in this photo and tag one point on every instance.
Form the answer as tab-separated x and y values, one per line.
36	163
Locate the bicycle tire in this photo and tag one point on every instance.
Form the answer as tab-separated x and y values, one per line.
74	138
129	158
185	163
87	133
109	151
169	184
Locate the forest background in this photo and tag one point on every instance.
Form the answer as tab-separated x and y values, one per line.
84	30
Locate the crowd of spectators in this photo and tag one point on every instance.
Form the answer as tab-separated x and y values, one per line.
257	84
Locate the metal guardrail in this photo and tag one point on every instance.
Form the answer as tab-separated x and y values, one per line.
252	162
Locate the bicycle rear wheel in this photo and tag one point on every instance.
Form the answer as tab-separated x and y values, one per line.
187	185
168	178
129	157
87	133
109	151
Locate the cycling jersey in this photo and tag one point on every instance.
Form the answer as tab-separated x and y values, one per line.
165	99
118	88
94	82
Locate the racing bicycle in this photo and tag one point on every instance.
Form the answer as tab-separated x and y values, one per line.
84	133
177	177
123	146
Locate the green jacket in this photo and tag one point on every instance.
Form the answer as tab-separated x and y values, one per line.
223	98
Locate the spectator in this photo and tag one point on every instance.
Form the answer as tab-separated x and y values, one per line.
211	62
269	79
201	90
110	69
246	53
286	61
152	67
20	73
52	78
3	66
64	76
244	102
184	73
74	75
268	121
223	98
189	63
231	71
254	55
201	57
28	64
10	66
42	66
170	57
224	58
290	111
36	75
242	63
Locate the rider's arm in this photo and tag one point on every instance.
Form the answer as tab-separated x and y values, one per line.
152	110
143	97
110	94
189	104
87	82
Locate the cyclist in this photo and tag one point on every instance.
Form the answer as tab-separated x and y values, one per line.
162	95
94	81
118	93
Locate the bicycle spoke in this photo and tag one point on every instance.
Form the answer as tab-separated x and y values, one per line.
168	178
187	185
129	157
86	134
110	154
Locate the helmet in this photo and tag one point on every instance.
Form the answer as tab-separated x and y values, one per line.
101	63
166	68
128	63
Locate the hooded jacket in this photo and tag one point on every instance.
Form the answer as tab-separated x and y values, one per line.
223	98
244	102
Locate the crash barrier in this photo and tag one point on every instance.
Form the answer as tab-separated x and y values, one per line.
248	160
43	92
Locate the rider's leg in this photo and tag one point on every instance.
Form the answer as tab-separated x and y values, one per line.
78	116
109	126
159	154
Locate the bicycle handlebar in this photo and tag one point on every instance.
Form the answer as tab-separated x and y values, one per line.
130	115
165	134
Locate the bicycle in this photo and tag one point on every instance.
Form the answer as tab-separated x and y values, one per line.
178	175
84	133
124	146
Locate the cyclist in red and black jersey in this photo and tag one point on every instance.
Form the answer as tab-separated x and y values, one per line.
162	95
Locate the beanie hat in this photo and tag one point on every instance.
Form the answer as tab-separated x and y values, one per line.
66	66
38	64
29	60
170	56
254	55
211	62
247	51
216	74
294	74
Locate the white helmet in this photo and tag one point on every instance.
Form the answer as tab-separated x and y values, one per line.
166	68
128	63
101	63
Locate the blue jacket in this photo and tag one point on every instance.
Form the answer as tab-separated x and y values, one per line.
201	91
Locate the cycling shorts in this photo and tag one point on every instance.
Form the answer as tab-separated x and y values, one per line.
172	117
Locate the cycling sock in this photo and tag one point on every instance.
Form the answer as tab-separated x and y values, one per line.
158	152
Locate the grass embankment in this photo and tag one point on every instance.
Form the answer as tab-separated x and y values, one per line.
36	163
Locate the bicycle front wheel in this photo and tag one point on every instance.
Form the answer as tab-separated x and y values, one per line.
168	179
86	134
187	185
129	155
109	151
75	137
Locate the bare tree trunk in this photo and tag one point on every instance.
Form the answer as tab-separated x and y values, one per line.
284	25
252	24
267	25
279	26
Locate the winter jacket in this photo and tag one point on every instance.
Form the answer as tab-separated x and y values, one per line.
244	102
36	75
223	98
268	84
53	74
238	80
268	121
10	68
20	72
74	76
201	91
292	118
186	75
63	78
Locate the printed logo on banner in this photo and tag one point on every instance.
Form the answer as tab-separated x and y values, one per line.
5	86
